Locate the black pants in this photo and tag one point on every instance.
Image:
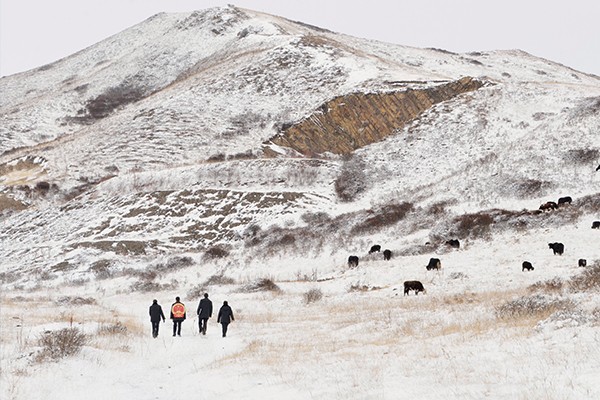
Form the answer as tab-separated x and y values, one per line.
177	327
224	326
202	325
155	325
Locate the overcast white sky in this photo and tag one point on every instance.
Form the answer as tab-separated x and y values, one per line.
36	32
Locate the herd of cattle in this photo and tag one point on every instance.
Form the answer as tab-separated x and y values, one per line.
436	264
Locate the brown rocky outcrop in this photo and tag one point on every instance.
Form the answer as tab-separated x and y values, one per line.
349	122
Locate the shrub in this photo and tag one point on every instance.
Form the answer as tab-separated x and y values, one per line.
584	156
473	225
261	285
384	216
531	306
150	286
77	301
215	252
59	344
113	329
313	295
555	284
219	280
352	180
101	269
589	279
529	188
196	292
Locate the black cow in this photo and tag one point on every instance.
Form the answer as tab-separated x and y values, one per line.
413	285
352	261
527	266
564	200
596	225
558	248
387	254
598	168
434	263
454	243
548	206
375	249
582	262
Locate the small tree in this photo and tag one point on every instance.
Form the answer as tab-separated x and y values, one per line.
352	179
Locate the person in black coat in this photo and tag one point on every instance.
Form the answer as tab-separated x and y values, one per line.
225	317
156	314
204	312
178	313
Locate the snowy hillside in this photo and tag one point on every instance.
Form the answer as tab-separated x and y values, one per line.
215	150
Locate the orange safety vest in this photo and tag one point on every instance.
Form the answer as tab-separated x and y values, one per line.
178	310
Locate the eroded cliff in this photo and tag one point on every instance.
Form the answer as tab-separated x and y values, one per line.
349	122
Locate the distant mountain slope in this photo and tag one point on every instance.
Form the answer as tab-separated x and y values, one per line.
186	130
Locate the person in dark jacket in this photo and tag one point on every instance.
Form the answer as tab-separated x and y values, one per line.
156	314
177	315
225	317
204	312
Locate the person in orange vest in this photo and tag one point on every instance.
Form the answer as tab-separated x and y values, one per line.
177	315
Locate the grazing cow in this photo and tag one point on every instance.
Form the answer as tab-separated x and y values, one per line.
598	168
582	262
375	249
558	248
527	266
352	261
387	254
413	285
596	225
434	263
454	243
548	206
564	200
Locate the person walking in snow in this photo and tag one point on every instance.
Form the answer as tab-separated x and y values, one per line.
205	309
156	314
225	317
177	315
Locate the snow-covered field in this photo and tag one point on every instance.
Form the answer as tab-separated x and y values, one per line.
362	340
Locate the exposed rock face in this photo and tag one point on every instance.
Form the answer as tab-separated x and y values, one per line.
349	122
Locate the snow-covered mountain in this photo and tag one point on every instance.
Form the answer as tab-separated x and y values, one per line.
181	132
214	149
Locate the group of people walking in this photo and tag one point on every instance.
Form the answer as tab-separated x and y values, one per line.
178	315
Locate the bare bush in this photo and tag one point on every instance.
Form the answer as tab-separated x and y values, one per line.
528	188
382	217
59	344
474	225
219	279
116	328
318	218
150	286
312	296
361	287
352	180
537	305
101	269
215	252
553	285
75	301
585	156
196	292
261	285
588	280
